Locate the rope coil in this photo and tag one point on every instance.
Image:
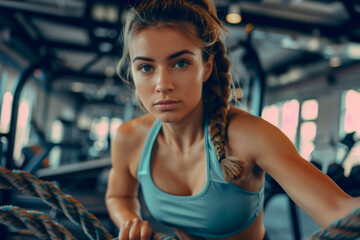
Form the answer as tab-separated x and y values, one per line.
40	224
346	228
53	196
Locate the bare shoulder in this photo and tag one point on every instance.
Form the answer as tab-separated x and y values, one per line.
255	130
250	133
134	130
244	123
128	140
256	138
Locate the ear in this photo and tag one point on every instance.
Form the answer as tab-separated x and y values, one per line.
208	67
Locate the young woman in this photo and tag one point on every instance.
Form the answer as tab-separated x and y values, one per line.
200	162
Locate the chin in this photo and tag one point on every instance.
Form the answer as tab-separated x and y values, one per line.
168	117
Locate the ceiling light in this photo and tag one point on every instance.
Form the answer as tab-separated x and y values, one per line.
353	51
112	14
233	16
98	12
77	87
105	13
335	62
313	44
109	71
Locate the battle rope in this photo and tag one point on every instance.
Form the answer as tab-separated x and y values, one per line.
346	228
53	196
40	224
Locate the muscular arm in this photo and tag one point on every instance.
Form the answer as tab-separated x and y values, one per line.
308	187
121	195
121	207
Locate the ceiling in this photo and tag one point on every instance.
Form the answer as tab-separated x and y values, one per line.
294	40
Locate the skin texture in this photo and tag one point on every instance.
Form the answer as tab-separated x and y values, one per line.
158	76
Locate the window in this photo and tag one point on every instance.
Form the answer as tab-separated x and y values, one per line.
6	112
350	119
290	118
271	114
350	122
22	127
308	127
285	116
99	133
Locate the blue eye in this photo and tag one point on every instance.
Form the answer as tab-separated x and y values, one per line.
145	68
181	64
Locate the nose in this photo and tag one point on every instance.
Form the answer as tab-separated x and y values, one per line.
164	82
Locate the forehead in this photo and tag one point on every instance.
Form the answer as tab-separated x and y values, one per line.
161	41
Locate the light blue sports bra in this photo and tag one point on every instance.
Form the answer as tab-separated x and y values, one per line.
220	210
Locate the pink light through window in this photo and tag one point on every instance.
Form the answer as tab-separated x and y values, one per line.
271	114
290	115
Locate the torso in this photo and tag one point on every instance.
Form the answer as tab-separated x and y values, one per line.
186	175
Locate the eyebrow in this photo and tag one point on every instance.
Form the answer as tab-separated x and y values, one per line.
172	56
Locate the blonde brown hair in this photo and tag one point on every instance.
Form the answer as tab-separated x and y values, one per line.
187	15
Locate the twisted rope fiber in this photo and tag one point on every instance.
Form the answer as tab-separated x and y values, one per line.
346	228
52	195
40	224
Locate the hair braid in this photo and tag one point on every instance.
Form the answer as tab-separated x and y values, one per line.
217	97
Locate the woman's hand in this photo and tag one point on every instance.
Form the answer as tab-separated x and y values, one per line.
135	229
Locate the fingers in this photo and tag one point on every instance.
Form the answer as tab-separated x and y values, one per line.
134	233
135	229
124	231
146	231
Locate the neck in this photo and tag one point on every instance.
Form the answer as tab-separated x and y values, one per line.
182	135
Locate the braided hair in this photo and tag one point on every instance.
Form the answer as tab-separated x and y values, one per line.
197	19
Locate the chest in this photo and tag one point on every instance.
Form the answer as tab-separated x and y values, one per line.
179	174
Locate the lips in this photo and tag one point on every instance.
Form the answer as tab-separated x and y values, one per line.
166	105
159	102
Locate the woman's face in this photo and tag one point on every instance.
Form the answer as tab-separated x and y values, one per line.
168	72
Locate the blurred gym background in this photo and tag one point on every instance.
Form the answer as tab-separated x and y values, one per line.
296	63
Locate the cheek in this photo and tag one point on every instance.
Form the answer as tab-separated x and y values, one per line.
140	88
143	90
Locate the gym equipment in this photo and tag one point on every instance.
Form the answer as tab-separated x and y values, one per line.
254	85
349	140
354	181
34	162
335	172
317	164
